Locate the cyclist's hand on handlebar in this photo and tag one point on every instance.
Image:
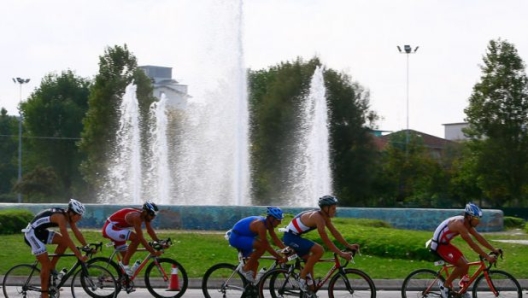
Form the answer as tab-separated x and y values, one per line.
157	253
491	258
83	259
346	255
354	248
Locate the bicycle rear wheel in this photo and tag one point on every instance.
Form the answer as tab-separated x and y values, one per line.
351	283
166	278
223	280
111	266
504	283
98	283
22	281
422	283
279	283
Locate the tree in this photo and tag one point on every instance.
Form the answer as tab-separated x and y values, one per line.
8	153
117	69
53	123
40	181
498	117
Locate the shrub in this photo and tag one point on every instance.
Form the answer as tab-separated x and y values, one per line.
511	222
12	221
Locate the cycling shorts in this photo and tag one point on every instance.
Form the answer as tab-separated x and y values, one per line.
37	240
118	235
242	242
301	246
449	253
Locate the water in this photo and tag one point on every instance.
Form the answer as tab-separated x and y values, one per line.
312	177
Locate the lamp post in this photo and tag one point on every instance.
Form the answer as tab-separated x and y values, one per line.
407	50
20	81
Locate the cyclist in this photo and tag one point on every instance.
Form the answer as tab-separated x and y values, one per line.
126	225
250	236
37	235
320	220
463	225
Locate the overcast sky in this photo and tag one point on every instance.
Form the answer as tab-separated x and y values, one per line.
356	37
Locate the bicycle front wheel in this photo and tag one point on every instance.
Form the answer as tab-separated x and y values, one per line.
351	283
422	283
279	283
166	278
96	282
22	281
223	280
503	283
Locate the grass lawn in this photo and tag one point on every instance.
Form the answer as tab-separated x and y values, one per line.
385	252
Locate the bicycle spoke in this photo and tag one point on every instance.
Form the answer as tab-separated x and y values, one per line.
166	278
503	283
421	283
354	283
222	280
19	283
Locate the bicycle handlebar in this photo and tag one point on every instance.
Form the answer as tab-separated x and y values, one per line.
161	245
91	248
496	255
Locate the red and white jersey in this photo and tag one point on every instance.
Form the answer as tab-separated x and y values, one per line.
442	234
118	218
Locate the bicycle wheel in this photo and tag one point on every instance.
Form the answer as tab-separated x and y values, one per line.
98	283
351	283
166	278
422	283
279	283
111	266
22	281
504	283
223	280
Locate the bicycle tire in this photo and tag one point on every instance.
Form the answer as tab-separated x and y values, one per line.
351	283
160	281
223	280
279	282
14	285
99	283
424	281
502	281
110	265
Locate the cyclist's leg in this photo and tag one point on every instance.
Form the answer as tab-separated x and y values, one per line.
119	237
244	244
306	249
453	255
37	240
62	244
132	246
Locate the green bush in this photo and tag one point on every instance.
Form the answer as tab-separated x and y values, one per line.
511	222
12	221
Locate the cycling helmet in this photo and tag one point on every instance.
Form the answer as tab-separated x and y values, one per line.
473	210
275	212
327	201
151	208
76	207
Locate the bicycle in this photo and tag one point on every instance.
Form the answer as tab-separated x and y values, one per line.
225	280
24	280
486	282
161	274
343	282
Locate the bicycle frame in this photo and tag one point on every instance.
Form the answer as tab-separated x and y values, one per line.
482	269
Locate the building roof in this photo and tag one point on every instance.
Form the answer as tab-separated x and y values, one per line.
430	141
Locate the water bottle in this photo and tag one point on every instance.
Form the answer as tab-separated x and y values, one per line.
463	281
62	273
261	273
136	265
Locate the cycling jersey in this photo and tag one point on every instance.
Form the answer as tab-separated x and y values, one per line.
297	227
117	229
37	235
241	236
442	234
118	218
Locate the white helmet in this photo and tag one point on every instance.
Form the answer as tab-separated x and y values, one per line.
76	207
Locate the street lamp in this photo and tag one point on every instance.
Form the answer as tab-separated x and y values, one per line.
20	81
407	49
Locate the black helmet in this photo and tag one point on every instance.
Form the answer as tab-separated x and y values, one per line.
151	208
327	201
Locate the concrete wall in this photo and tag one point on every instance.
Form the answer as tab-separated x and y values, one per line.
223	217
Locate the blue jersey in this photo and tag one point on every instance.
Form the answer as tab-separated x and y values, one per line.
242	226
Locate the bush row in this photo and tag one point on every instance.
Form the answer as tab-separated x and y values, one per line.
12	221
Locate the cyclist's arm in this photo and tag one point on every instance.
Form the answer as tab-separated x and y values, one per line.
321	228
276	239
339	237
482	240
78	234
63	228
151	231
464	233
136	222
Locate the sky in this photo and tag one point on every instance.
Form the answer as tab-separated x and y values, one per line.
359	38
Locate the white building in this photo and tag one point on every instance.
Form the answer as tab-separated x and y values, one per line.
175	93
453	131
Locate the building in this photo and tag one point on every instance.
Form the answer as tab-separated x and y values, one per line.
175	92
453	131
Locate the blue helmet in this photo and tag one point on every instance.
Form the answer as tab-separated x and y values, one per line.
327	201
151	208
473	210
275	212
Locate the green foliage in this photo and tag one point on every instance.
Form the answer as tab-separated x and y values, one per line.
53	124
12	221
8	151
41	182
511	222
498	116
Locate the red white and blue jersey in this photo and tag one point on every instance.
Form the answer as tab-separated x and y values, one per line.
118	218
